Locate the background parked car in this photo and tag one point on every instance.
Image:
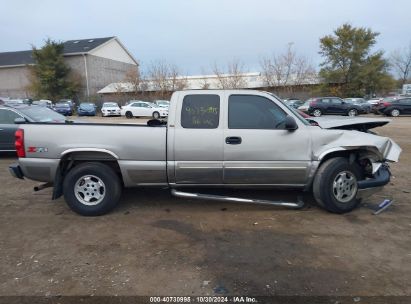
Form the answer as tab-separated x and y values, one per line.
110	109
63	108
86	109
43	102
304	107
295	103
395	107
143	108
332	105
365	106
162	103
33	113
70	102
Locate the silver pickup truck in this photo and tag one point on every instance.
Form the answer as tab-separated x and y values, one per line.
213	138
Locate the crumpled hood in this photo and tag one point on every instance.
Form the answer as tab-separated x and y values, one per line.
350	123
325	141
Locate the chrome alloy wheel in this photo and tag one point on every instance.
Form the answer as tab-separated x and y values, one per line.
89	190
345	186
395	113
352	113
317	113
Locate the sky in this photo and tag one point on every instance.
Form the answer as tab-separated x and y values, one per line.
196	34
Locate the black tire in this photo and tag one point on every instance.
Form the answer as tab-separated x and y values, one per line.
323	189
156	115
112	188
129	114
353	111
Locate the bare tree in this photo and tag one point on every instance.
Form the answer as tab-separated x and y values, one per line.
401	62
286	69
204	83
135	81
176	80
163	78
232	77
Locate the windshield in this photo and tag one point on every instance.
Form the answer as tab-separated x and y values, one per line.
295	112
42	114
62	105
110	104
88	106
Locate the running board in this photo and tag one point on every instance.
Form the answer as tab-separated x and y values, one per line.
293	205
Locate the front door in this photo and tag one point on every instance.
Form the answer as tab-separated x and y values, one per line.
336	106
258	149
146	110
198	140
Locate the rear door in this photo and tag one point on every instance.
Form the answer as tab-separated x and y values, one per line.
197	139
258	149
405	105
7	129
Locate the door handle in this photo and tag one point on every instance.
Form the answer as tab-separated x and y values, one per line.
233	140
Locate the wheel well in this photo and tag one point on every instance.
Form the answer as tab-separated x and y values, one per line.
73	159
336	154
363	157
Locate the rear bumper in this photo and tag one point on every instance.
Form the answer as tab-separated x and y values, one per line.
15	171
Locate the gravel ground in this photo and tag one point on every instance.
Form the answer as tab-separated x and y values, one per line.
154	244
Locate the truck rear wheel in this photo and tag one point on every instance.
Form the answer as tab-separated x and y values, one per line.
92	189
335	185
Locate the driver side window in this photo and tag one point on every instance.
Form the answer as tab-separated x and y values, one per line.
254	112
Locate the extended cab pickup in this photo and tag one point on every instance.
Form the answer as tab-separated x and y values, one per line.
213	138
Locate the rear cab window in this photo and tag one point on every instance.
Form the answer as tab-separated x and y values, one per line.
200	111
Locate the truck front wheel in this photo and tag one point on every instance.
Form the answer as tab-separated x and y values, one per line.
335	185
92	189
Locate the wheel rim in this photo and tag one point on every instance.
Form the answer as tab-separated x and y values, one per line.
90	190
345	186
128	115
156	115
395	112
352	113
317	113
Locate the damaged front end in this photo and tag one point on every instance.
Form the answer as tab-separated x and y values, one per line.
371	152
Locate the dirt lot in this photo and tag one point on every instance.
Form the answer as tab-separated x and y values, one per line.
155	244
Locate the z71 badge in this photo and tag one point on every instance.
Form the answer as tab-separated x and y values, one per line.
37	149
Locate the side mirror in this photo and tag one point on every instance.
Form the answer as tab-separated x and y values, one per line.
290	123
20	121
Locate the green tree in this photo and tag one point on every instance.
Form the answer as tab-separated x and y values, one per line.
51	78
349	63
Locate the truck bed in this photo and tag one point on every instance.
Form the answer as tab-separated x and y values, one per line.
139	149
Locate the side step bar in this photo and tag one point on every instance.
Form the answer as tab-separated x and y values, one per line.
293	205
